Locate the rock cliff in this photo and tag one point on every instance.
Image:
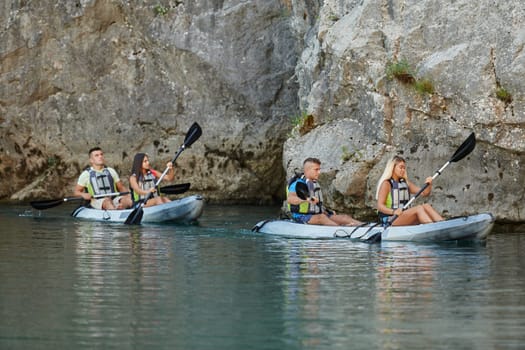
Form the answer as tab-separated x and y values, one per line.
415	78
363	80
132	77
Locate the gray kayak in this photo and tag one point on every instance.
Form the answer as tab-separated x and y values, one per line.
465	228
186	209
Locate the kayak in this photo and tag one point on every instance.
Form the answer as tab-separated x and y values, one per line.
465	228
186	209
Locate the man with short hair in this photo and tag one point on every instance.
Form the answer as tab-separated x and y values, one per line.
99	179
311	209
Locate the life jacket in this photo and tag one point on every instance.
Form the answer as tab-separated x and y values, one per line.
100	182
399	194
146	183
314	190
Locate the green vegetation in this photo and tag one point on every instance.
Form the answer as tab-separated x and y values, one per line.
51	161
424	86
503	95
160	10
333	17
285	12
298	120
401	71
304	122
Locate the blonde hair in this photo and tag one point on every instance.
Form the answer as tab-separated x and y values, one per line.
389	170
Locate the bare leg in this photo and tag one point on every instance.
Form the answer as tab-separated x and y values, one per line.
434	215
413	216
345	220
154	201
125	202
322	219
107	204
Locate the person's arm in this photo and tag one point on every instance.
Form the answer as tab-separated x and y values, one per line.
133	183
427	190
80	191
414	189
80	187
121	187
384	190
294	199
170	175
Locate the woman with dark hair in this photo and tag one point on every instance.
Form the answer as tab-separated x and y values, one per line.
143	179
394	190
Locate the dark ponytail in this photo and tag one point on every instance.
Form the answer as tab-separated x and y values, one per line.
137	165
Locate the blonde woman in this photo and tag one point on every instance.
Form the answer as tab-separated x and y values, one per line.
393	192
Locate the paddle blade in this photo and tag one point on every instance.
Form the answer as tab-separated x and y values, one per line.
135	217
46	204
175	189
302	190
51	203
192	135
466	147
373	237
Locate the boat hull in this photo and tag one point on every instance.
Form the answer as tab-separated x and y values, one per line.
468	228
186	209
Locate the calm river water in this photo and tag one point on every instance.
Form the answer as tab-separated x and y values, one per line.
70	284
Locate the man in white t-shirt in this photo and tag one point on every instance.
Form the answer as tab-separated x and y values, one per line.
98	180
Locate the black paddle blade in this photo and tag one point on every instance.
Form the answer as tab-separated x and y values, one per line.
302	190
175	189
46	204
192	135
466	147
51	203
374	237
135	217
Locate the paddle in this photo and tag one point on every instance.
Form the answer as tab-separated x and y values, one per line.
466	147
302	190
50	203
135	217
304	193
175	189
463	150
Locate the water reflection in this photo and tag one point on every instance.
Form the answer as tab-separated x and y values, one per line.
118	281
334	291
302	293
322	279
420	287
77	284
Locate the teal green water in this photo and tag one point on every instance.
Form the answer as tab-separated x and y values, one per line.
70	284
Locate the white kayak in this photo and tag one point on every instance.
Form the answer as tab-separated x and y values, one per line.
186	209
467	228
